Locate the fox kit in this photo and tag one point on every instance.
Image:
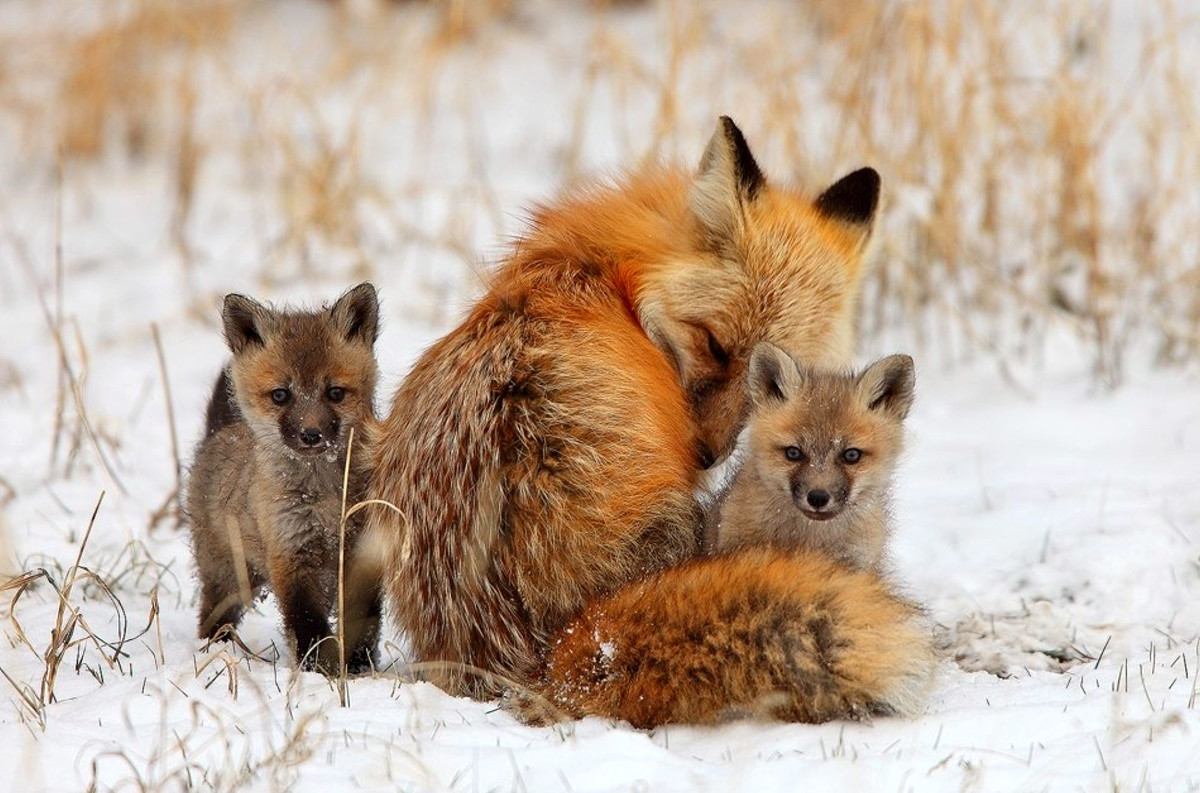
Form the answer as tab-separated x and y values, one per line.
821	450
266	492
543	454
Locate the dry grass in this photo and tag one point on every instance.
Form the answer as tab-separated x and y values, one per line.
1033	181
118	74
1041	164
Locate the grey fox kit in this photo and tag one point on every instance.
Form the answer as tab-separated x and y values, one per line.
819	458
265	495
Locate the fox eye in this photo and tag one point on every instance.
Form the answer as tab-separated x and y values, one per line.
793	453
280	396
718	353
335	393
851	456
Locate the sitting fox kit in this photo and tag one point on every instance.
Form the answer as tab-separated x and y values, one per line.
821	451
266	491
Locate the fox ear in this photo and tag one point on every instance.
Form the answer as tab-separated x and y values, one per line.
852	201
247	322
887	385
356	314
727	180
773	374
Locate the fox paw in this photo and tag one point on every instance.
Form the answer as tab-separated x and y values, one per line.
533	708
362	661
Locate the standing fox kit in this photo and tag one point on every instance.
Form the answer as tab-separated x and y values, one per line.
821	451
266	494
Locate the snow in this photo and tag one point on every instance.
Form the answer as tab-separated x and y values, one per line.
1051	527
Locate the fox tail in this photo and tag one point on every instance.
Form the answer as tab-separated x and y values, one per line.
789	635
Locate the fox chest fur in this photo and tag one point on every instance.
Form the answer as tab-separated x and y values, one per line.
299	502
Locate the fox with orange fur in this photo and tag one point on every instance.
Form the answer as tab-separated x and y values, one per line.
544	454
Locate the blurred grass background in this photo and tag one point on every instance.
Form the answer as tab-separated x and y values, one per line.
1041	160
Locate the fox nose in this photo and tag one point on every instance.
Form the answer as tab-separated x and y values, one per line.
818	498
310	436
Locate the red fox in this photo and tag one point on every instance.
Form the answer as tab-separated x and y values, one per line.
821	450
266	488
544	453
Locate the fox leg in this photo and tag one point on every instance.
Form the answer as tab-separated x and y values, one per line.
220	605
227	582
305	607
363	605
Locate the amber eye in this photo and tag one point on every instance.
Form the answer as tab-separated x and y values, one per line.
335	394
718	353
793	453
851	456
281	396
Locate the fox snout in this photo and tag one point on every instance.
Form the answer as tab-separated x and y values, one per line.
819	500
309	429
311	436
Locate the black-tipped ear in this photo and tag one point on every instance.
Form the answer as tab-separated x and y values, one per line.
852	199
887	385
356	313
772	374
728	177
727	149
247	322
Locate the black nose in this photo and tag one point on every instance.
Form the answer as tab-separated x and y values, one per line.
705	456
311	437
818	498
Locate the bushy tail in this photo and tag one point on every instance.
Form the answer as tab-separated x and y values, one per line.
790	635
437	464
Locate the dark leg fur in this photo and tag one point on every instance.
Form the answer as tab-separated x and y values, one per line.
218	608
364	609
222	601
304	608
362	657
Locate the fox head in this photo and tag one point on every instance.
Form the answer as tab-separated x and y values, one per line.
825	441
302	379
765	264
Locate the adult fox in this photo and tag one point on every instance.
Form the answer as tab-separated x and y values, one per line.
544	453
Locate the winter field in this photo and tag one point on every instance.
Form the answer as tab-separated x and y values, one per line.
1038	253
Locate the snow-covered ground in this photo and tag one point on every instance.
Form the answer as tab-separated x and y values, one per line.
1052	526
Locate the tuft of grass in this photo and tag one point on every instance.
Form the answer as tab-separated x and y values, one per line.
72	630
116	74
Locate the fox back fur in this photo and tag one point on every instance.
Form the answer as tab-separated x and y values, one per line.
544	453
265	496
821	450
